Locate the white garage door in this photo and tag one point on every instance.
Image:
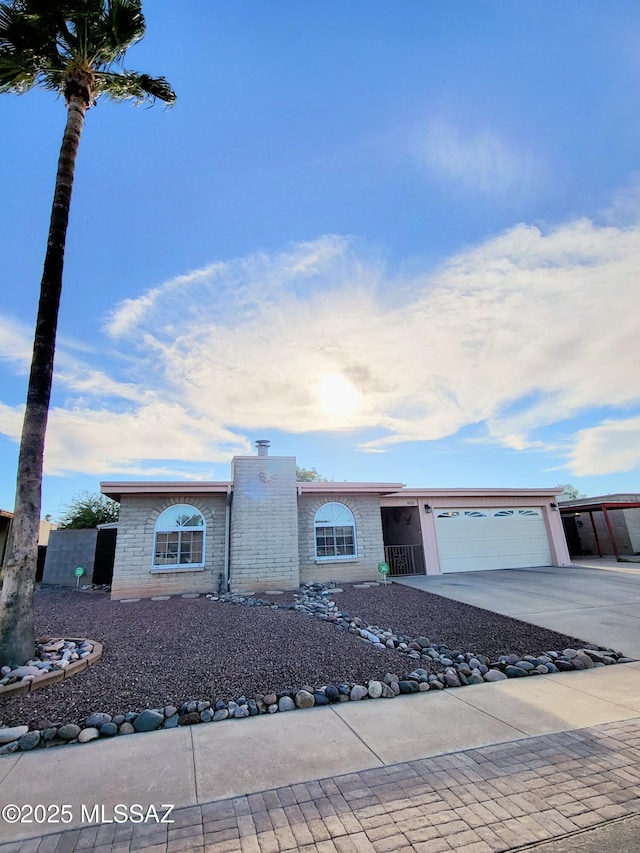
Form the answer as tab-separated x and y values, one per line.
470	540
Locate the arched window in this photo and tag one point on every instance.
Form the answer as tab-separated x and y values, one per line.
179	538
335	532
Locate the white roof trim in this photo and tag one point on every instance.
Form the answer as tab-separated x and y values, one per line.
115	490
165	487
348	488
474	493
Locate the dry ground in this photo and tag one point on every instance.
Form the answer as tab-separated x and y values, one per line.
168	652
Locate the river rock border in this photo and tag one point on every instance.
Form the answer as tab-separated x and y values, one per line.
56	658
459	669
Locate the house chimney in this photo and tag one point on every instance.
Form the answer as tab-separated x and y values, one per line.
263	447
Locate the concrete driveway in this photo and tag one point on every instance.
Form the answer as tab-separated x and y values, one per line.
596	601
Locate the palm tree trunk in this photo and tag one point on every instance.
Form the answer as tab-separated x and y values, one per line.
16	605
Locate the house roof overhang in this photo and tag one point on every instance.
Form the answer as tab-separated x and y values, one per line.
616	500
331	488
577	508
115	491
478	493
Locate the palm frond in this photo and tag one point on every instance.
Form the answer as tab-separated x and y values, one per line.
41	40
25	49
16	77
24	35
128	85
123	25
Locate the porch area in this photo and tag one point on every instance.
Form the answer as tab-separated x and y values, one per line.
402	535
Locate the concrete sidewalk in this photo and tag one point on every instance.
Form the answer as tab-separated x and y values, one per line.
478	769
520	761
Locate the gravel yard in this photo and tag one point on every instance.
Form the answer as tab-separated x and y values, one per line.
167	652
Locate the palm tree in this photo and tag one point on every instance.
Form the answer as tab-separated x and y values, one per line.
75	48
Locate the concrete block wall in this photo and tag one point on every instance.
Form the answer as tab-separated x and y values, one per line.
618	520
370	546
68	549
632	517
264	524
132	572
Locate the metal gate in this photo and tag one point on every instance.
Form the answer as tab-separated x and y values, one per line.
405	560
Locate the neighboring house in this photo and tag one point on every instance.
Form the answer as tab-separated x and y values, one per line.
6	521
6	518
604	525
262	530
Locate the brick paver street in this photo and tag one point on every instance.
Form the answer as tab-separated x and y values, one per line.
492	798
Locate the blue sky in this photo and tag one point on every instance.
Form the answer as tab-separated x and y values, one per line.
400	240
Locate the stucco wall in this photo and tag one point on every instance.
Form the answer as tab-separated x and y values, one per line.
366	512
457	499
132	572
264	525
68	549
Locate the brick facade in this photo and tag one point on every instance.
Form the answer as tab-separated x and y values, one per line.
271	536
270	540
370	547
264	524
132	571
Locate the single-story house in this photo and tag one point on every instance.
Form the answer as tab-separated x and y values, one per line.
262	530
604	525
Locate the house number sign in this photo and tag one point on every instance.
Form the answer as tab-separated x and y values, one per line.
383	568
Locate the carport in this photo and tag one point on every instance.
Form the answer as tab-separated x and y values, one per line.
609	529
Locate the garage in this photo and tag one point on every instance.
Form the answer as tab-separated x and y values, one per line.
479	538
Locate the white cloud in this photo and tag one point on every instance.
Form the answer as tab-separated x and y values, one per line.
525	316
625	205
242	284
99	441
131	311
523	331
80	378
612	447
16	342
11	421
480	161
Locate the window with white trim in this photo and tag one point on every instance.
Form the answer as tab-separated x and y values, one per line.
335	532
179	538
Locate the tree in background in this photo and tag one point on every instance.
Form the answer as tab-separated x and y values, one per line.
74	48
88	510
569	492
309	475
